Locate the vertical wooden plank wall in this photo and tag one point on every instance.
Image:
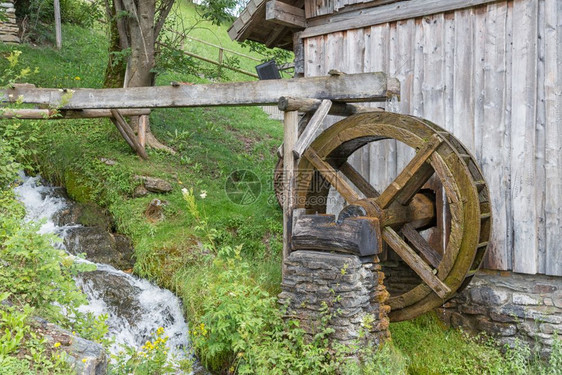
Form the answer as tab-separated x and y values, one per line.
553	135
492	75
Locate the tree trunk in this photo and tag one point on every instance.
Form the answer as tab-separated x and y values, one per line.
137	31
116	64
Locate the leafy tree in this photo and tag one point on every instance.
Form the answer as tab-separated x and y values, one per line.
136	26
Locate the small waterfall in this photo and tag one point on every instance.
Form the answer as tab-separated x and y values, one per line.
142	308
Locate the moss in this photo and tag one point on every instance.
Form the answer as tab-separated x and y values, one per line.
91	215
76	188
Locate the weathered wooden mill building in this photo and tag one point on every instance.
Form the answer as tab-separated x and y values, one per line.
488	71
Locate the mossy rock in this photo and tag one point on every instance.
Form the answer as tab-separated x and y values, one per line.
76	188
93	216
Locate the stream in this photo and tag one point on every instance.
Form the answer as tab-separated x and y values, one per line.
136	308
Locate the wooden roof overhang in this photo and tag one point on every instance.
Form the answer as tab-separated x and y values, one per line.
253	24
273	22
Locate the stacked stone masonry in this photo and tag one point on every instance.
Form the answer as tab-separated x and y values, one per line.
9	30
352	291
511	307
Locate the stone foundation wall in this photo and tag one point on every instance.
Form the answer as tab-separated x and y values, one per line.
352	291
509	306
8	30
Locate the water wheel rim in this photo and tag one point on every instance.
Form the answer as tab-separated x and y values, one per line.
344	137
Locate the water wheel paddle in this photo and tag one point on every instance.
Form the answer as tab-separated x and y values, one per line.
408	208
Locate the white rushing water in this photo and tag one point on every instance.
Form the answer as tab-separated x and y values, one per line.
148	306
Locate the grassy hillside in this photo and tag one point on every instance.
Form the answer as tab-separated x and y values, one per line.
222	258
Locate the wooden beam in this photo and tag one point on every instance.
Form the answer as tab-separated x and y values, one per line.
333	176
285	14
291	124
58	24
128	133
386	13
412	177
312	128
337	108
363	87
53	114
143	122
415	262
416	239
358	180
356	235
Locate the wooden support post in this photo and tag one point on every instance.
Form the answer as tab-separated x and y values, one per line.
127	133
290	138
143	121
58	28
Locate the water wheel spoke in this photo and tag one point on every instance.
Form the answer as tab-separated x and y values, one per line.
333	176
412	178
416	263
420	243
358	180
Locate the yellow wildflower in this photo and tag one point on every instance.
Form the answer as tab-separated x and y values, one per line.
57	344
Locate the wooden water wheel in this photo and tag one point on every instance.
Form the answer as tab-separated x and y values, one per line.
411	206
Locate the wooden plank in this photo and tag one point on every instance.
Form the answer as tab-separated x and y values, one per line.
291	122
337	108
358	180
314	56
403	69
334	53
474	136
53	114
285	14
410	180
333	176
435	91
540	178
354	53
464	64
492	161
382	154
349	87
415	262
312	128
553	135
388	13
416	239
523	136
433	88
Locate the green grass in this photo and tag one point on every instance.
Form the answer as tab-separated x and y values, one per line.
186	16
211	143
